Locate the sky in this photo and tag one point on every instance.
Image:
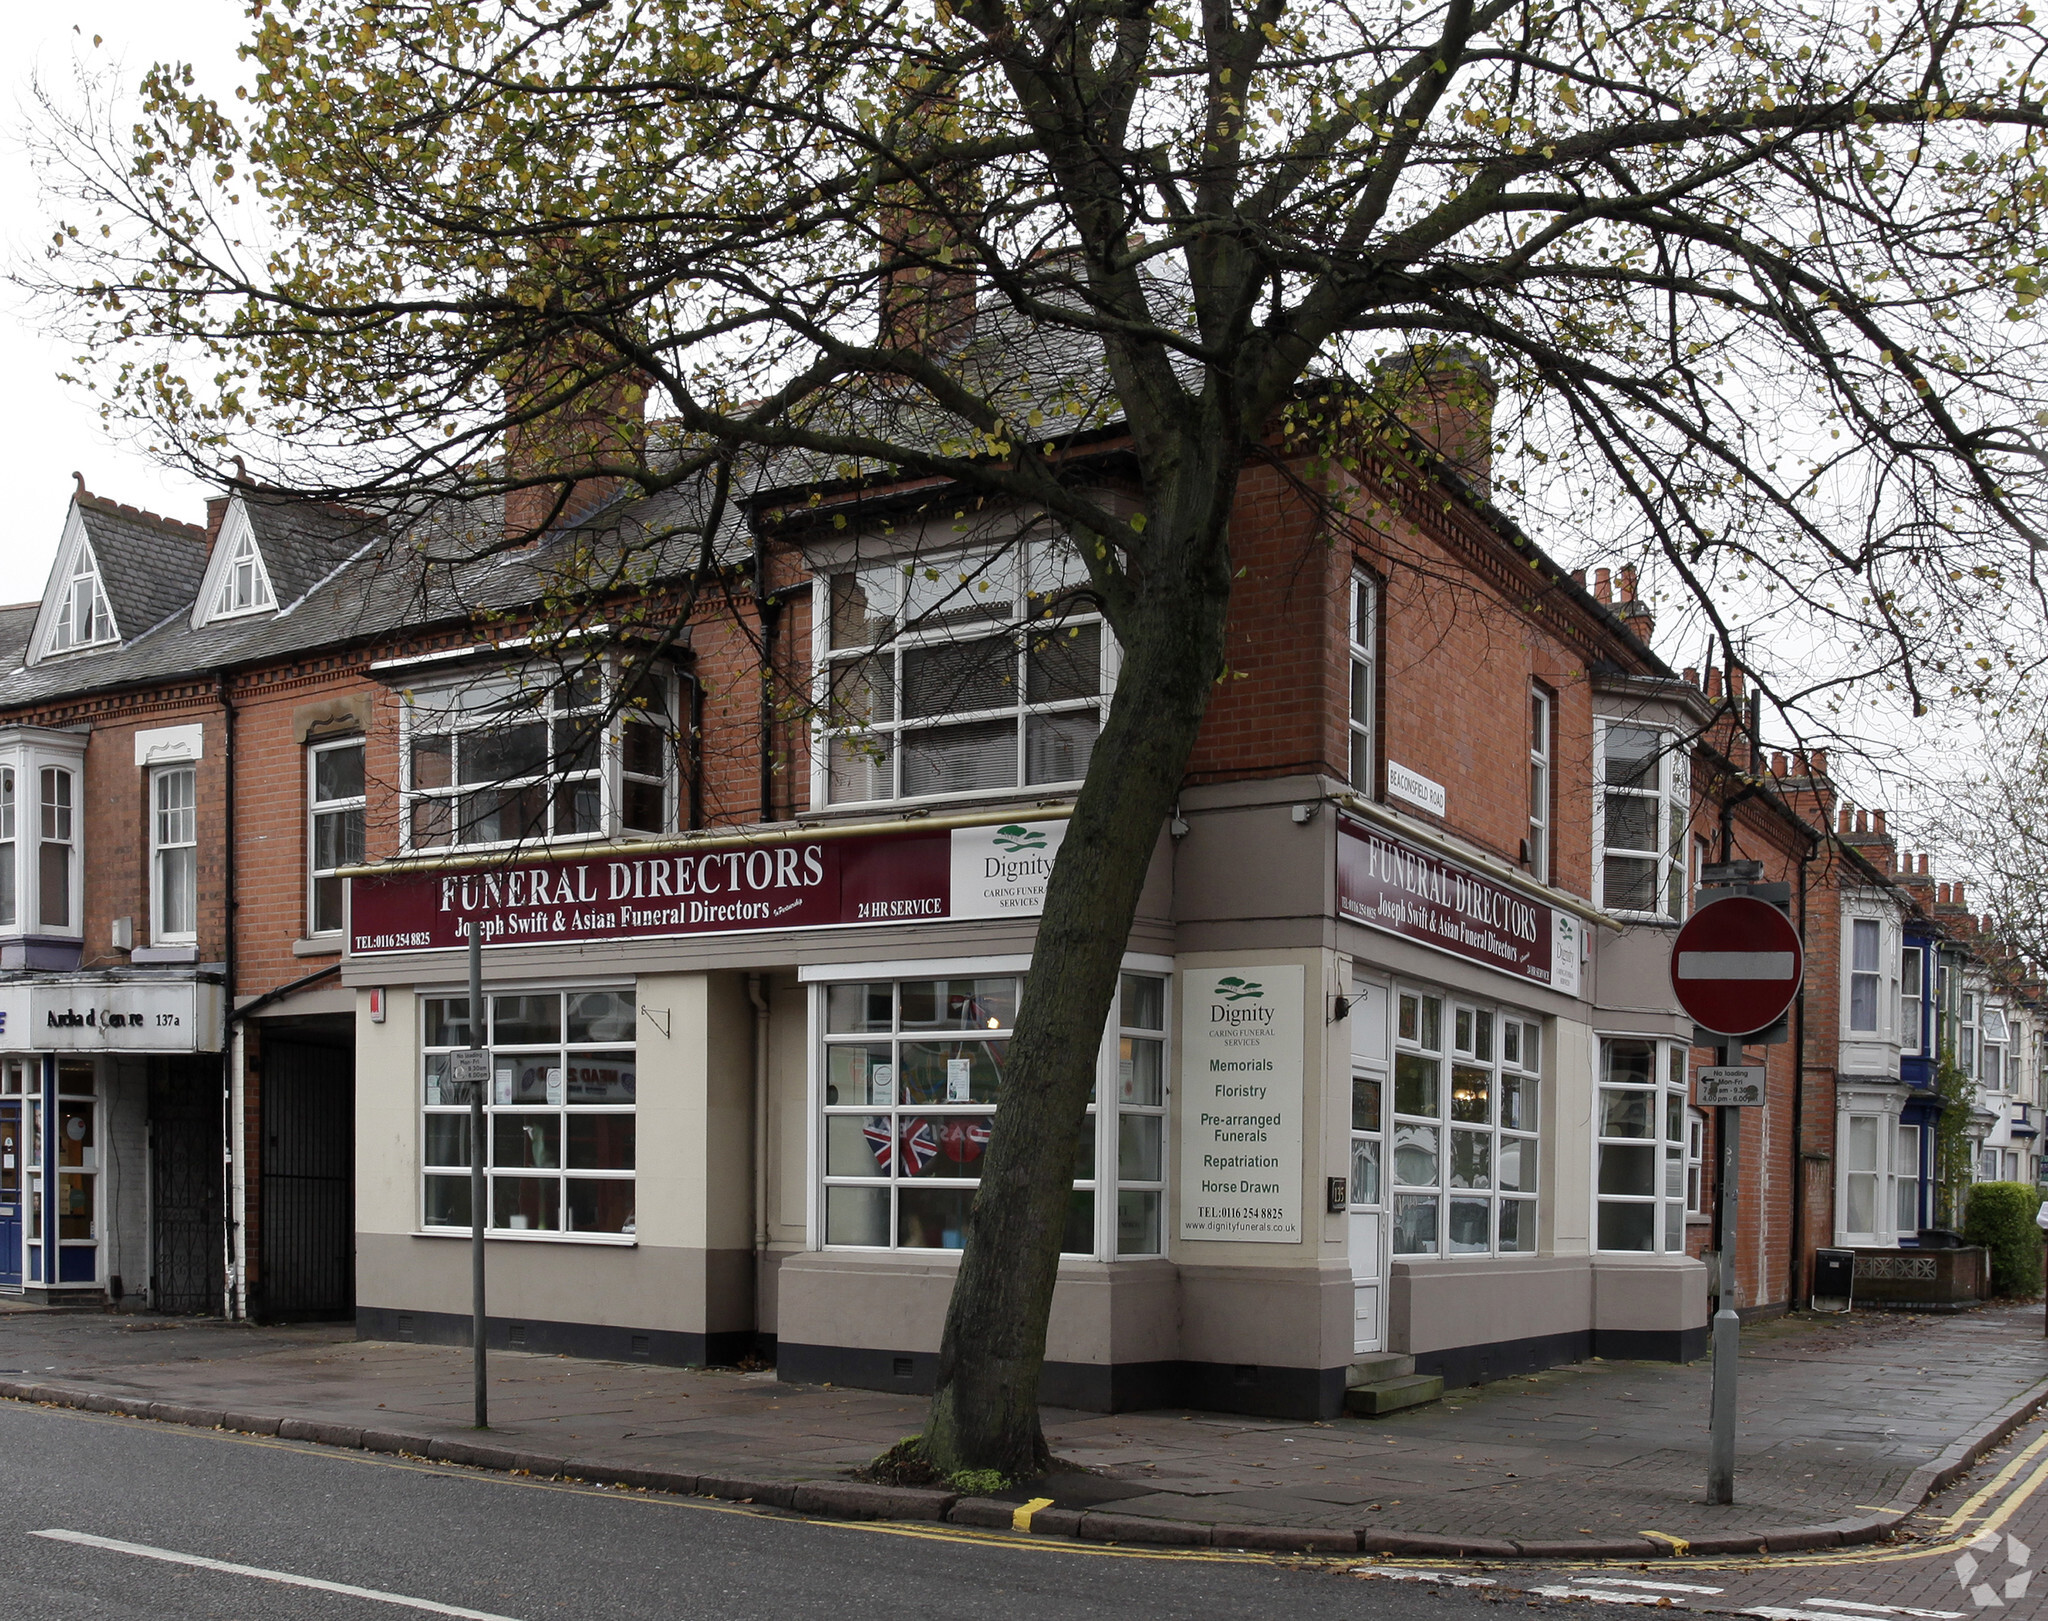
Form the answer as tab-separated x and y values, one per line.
49	427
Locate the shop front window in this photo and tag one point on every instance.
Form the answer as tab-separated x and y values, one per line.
559	1114
913	1079
1642	1134
1465	1122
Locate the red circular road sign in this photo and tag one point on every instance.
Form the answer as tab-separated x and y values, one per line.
1736	965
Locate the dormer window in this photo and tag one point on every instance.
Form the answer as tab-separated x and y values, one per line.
84	618
244	582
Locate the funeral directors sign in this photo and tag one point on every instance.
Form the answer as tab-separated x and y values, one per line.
1240	1161
778	882
1387	883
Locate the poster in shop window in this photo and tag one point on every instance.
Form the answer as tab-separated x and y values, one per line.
1241	1103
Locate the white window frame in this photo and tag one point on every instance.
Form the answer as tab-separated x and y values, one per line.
1361	682
1673	816
83	583
1473	1037
243	566
1880	1173
511	1065
58	826
1662	1102
1994	1070
316	810
1857	930
1905	1174
1966	1033
1912	992
1108	1110
173	831
11	887
862	751
1542	753
1695	1162
433	709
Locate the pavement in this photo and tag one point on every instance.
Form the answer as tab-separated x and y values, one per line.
1848	1425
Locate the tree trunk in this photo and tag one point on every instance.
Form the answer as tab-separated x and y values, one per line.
984	1414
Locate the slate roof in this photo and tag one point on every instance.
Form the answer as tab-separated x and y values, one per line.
303	542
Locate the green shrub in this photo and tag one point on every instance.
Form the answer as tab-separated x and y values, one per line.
2000	1216
978	1482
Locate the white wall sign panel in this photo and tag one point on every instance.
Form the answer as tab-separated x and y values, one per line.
1241	1103
98	1017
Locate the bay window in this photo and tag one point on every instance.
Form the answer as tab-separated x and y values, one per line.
1906	1179
41	834
1465	1123
56	867
1642	1133
912	1080
507	755
1910	1013
1864	934
1641	815
980	672
8	904
174	855
1991	1065
559	1114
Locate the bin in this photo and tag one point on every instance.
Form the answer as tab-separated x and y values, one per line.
1834	1279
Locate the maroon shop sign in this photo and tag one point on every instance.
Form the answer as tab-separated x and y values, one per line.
1386	883
940	874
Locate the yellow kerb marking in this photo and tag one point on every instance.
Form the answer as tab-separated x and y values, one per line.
1678	1545
1020	1520
1994	1485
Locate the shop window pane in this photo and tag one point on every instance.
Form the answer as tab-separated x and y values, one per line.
959	1004
441	1087
1471	1159
1630	1171
74	1206
849	1150
1433	1023
525	1021
1674	1228
1674	1173
1511	1041
1482	1033
1365	1103
1080	1234
526	1141
1626	1114
447	1139
1518	1164
527	1078
1137	1222
1415	1085
600	1016
1411	1017
1365	1170
75	1145
860	1076
952	1071
1532	1047
857	1216
1471	1094
602	1078
1414	1224
1144	1002
1628	1226
447	1203
1138	1147
526	1204
601	1142
1630	1063
853	1009
1518	1102
1462	1040
1518	1226
1674	1117
77	1077
1140	1068
1084	1153
600	1205
1415	1156
1469	1230
932	1218
950	1146
960	759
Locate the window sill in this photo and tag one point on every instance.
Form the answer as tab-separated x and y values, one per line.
327	945
615	1241
145	955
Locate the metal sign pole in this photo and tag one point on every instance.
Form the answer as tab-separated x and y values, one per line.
1727	1325
480	1078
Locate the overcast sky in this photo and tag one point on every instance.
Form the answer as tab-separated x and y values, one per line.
48	427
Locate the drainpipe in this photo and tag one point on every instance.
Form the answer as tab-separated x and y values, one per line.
236	1100
1795	1267
760	1167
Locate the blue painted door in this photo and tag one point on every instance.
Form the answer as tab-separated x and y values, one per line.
12	1160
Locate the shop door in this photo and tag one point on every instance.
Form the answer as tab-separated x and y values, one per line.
308	1208
11	1157
187	1266
1366	1218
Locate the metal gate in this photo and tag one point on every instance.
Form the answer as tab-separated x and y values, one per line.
187	1267
308	1207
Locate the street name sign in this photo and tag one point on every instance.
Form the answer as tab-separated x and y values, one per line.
1736	965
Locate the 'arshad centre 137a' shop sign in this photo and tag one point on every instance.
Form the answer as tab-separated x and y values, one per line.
778	882
1387	883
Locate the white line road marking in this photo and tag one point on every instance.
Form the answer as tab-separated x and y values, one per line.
1735	965
1772	1612
198	1562
1654	1587
1885	1609
1423	1576
1607	1596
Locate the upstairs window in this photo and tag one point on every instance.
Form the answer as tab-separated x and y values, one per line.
9	906
244	582
1910	971
969	675
335	808
84	617
1863	959
1991	1068
1966	1034
1364	620
174	853
1539	784
55	867
505	757
1642	822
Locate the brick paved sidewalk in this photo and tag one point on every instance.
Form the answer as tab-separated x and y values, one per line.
1837	1414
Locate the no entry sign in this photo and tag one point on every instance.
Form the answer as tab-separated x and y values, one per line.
1736	965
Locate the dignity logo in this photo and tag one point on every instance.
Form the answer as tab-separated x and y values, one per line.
1230	992
1014	840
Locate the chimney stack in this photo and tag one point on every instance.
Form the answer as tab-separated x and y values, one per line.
601	418
1603	587
1444	394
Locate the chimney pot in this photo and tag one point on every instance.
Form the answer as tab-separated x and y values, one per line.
1956	891
1713	681
1627	579
1877	824
1692	676
1820	763
1603	586
1941	894
1923	863
1862	822
1578	576
1778	765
